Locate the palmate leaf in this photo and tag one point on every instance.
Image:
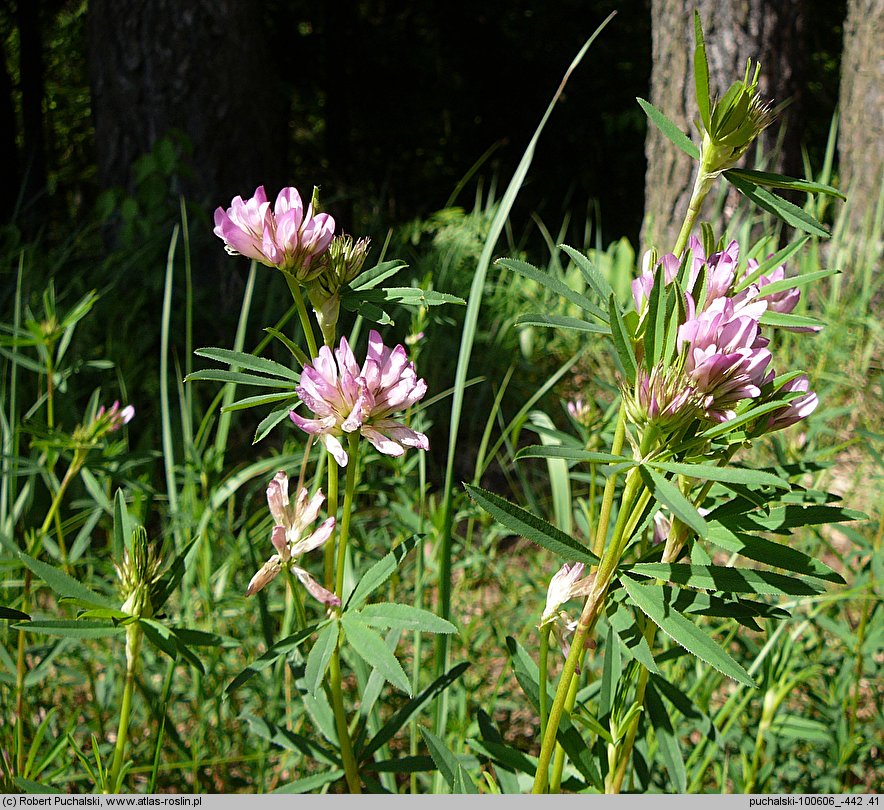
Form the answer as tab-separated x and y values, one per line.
370	647
561	322
404	617
728	579
531	527
655	602
401	717
64	585
380	572
271	656
590	272
622	341
770	553
249	362
790	213
667	739
552	283
667	493
783	181
730	475
452	771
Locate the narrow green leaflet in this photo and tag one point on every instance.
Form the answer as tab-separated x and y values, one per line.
531	527
221	375
655	323
669	129
65	586
277	651
635	645
789	320
309	784
249	362
728	579
71	628
655	602
289	740
667	493
10	614
729	475
742	418
666	738
551	282
404	617
561	322
572	454
593	277
782	181
622	340
770	553
701	81
370	278
277	415
261	399
122	525
401	717
770	263
791	214
380	572
452	771
369	646
795	281
319	657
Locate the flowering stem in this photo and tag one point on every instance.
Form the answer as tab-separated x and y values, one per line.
544	676
76	464
351	771
702	187
332	503
349	489
591	611
133	648
302	314
555	782
608	496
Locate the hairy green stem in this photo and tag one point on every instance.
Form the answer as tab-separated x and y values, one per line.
133	649
298	296
702	186
351	770
555	782
329	550
349	490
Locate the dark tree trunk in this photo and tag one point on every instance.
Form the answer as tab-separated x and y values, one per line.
200	67
860	145
31	77
9	178
770	31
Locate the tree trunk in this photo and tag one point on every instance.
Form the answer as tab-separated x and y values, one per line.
31	77
9	178
860	149
200	67
770	31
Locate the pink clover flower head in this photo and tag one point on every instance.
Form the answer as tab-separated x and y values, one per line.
288	538
664	397
581	411
345	398
287	237
799	408
726	358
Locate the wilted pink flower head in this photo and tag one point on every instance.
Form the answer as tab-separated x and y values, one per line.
565	584
287	237
291	522
345	398
798	408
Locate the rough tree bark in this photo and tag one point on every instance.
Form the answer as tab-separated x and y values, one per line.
197	66
860	144
769	31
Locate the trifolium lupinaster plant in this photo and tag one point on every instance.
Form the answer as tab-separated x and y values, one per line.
351	407
685	514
